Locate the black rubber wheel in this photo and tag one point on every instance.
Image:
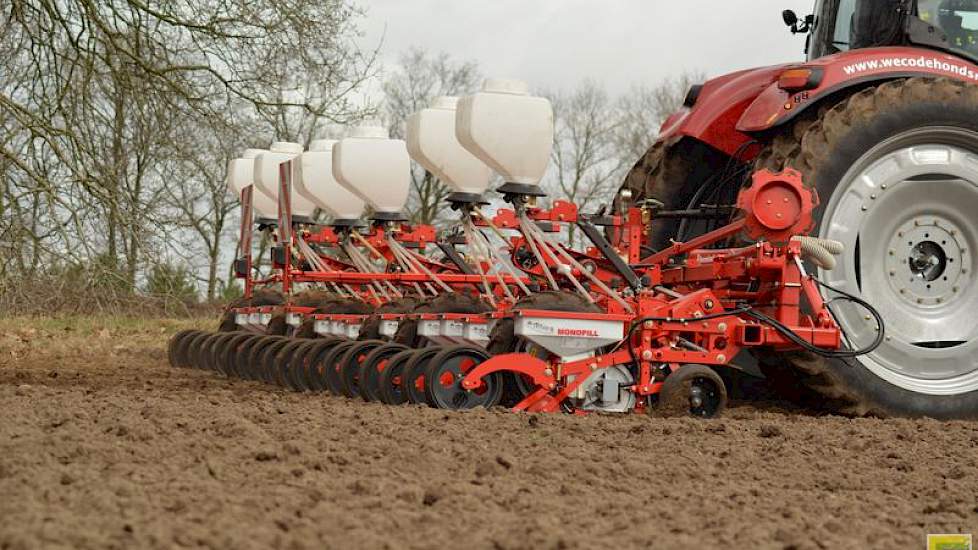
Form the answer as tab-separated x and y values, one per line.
311	372
331	366
372	366
443	377
228	358
349	365
253	364
295	377
183	350
218	346
412	383
173	345
282	361
216	350
390	390
207	349
266	360
194	346
692	390
242	357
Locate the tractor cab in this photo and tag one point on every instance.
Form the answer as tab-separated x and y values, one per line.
842	25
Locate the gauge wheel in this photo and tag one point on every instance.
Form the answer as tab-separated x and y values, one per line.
443	377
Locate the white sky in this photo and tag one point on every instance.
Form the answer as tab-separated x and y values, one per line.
557	43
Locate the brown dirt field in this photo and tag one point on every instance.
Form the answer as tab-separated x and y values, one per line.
102	445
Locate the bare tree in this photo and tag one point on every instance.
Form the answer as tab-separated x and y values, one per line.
108	114
597	139
644	108
419	79
586	164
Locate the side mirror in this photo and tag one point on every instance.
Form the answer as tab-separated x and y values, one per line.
796	25
790	18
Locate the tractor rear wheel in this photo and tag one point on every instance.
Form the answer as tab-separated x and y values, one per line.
896	167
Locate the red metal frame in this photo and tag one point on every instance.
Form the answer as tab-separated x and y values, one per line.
690	310
699	319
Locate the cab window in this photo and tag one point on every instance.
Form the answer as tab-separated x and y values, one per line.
957	18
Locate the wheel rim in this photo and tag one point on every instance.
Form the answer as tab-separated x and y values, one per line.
391	389
705	398
413	380
331	366
905	212
445	386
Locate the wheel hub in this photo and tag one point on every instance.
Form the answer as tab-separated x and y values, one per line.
925	260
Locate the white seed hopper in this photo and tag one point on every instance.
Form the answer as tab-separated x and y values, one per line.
432	143
319	186
509	130
241	174
375	168
267	175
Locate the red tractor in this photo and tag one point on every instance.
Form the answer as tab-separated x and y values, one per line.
882	119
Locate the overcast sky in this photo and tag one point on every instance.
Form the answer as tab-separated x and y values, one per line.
557	43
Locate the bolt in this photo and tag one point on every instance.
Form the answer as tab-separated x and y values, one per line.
785	200
899	233
920	300
892	253
903	291
593	366
889	338
867	317
721	358
708	304
548	372
722	327
864	209
892	273
769	201
873	196
778	215
953	232
646	355
964	270
883	187
649	324
940	300
916	223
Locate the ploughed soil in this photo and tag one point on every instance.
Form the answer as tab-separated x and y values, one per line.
102	445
